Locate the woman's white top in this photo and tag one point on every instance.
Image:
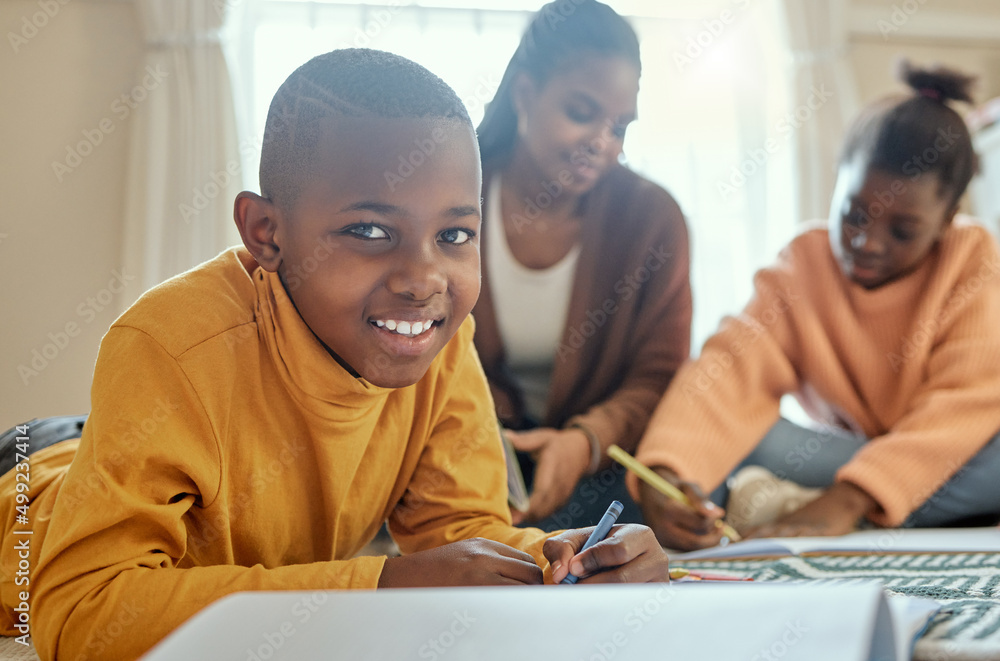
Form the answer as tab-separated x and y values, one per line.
530	306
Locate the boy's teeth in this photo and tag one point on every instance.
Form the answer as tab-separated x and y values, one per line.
411	329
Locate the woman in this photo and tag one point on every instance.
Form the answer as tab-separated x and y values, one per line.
585	310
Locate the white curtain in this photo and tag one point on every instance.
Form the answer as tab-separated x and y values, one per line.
818	40
184	161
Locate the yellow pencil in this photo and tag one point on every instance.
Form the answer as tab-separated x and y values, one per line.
661	485
677	572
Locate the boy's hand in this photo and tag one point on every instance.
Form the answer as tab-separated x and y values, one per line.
629	554
468	562
561	459
678	526
836	512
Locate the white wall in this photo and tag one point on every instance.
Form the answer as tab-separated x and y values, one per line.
964	34
60	242
961	33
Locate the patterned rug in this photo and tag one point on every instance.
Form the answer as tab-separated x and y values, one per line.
967	585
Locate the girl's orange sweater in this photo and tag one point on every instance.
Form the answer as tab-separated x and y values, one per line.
914	365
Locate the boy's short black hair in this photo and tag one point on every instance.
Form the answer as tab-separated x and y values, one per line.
352	82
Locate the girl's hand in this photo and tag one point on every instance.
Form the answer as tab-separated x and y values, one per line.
629	554
836	512
678	526
561	459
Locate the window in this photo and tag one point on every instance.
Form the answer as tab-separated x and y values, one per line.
713	90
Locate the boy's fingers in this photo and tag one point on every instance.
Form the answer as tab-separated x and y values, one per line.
607	554
514	564
630	555
559	550
526	573
511	552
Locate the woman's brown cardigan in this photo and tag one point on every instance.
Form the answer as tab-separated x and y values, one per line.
628	326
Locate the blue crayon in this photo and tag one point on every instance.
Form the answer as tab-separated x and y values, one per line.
600	532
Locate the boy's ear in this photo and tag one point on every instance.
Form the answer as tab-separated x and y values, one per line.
256	218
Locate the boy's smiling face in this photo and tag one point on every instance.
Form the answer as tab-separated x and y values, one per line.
380	251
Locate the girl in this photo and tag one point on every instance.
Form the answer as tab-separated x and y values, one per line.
884	326
585	309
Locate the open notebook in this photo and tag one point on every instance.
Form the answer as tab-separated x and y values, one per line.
807	621
895	540
517	492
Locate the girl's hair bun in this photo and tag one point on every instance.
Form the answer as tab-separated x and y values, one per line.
939	83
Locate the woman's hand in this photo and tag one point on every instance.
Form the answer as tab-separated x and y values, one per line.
678	526
562	457
629	554
836	512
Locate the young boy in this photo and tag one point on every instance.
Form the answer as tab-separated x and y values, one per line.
256	419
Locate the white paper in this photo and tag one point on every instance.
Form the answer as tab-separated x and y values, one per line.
814	622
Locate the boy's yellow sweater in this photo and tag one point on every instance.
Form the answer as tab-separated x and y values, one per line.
227	450
914	365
